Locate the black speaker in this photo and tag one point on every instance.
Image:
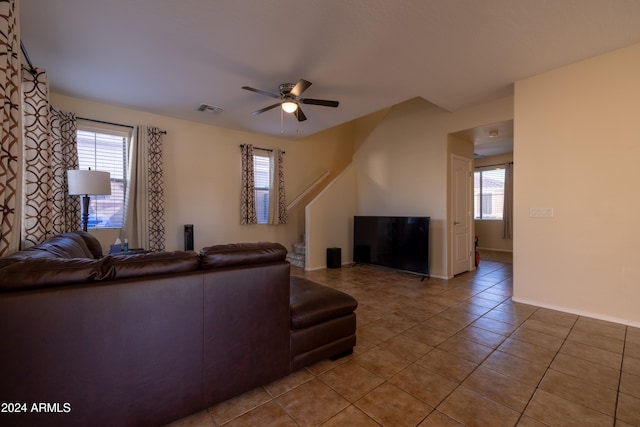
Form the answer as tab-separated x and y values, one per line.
188	237
334	257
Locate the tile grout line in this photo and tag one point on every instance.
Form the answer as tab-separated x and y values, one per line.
546	371
487	357
481	362
624	345
466	284
412	363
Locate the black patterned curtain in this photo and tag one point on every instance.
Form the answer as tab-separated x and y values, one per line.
10	132
277	199
144	204
248	195
50	149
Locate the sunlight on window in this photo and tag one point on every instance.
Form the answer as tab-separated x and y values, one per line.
262	178
488	193
105	152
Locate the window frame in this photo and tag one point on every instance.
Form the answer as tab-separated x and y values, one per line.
480	199
263	215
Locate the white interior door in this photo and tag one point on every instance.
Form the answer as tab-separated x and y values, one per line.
461	177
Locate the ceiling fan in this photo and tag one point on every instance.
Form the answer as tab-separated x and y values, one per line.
290	99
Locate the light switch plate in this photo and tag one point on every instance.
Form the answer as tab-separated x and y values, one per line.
541	212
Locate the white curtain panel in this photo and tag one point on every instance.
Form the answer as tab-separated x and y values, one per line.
277	198
144	203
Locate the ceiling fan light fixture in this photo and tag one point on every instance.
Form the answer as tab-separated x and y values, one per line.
289	106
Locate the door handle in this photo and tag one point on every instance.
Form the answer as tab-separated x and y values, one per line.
455	223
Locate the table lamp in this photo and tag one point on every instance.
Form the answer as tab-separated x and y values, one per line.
88	183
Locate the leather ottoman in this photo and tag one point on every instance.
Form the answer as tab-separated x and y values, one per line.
323	322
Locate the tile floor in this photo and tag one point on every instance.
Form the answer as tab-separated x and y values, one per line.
452	353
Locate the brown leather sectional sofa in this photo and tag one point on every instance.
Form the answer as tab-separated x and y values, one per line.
145	339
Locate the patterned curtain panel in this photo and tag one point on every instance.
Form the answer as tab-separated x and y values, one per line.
10	133
50	149
247	195
144	204
277	199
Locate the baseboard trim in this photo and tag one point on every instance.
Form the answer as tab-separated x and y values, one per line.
495	250
577	312
323	267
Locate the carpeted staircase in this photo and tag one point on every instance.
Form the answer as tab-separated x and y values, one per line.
296	257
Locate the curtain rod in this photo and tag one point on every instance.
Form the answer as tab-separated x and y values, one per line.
263	149
164	132
32	69
490	166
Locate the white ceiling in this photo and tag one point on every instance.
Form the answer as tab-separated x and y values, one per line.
491	139
168	56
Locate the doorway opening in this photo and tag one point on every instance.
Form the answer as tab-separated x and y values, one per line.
492	146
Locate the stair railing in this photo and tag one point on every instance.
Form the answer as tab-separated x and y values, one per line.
309	189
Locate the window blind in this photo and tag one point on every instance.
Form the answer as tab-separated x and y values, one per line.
107	153
489	193
262	177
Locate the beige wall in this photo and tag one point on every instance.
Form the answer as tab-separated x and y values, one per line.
402	170
490	232
403	164
329	220
202	173
576	151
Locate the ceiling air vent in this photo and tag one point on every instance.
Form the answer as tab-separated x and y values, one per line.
210	108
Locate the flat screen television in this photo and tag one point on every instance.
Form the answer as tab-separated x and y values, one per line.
398	242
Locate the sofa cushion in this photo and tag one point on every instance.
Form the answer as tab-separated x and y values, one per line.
66	245
38	272
312	303
235	254
123	266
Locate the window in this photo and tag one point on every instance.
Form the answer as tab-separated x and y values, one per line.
262	178
105	151
488	192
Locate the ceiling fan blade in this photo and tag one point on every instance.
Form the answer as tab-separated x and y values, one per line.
300	115
300	87
323	102
261	92
262	110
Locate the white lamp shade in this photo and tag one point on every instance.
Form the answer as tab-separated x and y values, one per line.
89	182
